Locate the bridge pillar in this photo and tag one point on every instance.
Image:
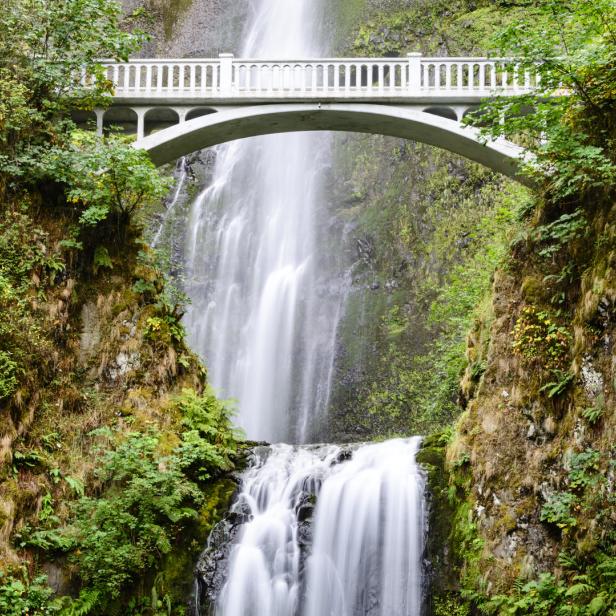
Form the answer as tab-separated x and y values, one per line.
414	71
140	122
460	110
226	73
100	114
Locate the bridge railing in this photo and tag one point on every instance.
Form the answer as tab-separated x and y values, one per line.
229	77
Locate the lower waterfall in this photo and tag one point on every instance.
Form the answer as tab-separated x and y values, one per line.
320	530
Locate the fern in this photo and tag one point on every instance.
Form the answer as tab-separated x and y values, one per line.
607	568
567	561
593	414
87	601
581	589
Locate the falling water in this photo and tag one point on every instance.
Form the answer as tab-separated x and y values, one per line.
263	315
265	308
181	174
368	527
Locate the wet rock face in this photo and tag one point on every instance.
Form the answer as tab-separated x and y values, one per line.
213	565
192	28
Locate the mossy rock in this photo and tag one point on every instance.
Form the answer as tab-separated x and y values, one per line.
440	513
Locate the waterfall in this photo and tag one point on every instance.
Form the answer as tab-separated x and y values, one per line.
264	312
368	528
266	302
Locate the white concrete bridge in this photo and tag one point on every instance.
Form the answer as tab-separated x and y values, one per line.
179	106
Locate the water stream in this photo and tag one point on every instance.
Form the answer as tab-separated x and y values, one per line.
263	314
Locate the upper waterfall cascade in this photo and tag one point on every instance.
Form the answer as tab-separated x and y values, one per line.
264	310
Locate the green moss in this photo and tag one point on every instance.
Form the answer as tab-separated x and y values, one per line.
174	577
432	457
450	604
171	11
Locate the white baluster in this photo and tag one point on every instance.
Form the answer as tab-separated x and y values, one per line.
403	69
148	79
192	68
159	77
258	80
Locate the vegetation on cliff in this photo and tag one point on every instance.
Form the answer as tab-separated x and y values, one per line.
111	442
531	494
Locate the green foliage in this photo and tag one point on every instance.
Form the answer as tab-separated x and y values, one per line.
166	329
124	532
592	593
87	601
146	495
101	259
541	341
561	232
8	374
450	605
594	413
536	598
19	597
558	386
45	46
468	237
209	440
570	45
583	468
105	177
557	510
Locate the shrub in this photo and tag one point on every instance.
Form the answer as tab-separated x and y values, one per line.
8	374
19	597
557	510
125	531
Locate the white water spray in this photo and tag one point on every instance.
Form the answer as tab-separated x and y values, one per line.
181	175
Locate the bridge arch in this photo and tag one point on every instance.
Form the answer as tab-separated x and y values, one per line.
251	121
159	118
